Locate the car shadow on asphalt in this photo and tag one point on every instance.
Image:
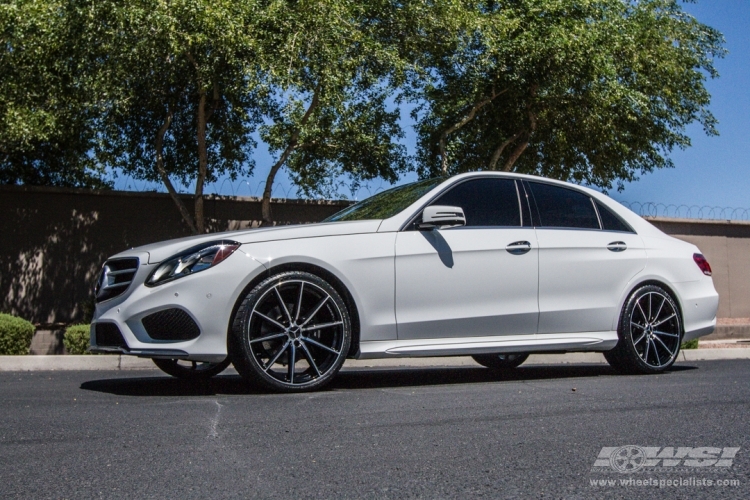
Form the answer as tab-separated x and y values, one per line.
353	379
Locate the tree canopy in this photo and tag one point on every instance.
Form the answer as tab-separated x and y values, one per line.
47	128
594	91
180	90
333	68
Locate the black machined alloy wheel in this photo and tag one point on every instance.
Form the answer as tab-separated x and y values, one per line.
191	370
291	333
650	332
506	361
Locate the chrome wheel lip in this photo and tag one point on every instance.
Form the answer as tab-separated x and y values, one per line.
295	342
650	324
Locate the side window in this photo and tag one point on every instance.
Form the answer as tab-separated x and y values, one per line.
611	221
561	207
486	202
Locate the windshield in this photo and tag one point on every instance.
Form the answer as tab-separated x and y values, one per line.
386	204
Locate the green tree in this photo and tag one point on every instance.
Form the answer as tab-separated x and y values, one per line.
332	66
593	91
180	88
46	112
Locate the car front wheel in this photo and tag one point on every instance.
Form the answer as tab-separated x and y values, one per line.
291	333
650	332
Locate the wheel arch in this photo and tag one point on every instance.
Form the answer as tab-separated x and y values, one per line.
327	275
655	282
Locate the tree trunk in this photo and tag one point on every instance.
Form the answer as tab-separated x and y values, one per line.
202	164
159	145
521	147
526	136
499	151
463	121
265	205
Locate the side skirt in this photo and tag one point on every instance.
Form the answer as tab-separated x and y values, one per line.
548	342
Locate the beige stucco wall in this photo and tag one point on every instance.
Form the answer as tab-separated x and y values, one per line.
730	263
726	245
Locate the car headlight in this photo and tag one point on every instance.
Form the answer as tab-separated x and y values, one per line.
191	261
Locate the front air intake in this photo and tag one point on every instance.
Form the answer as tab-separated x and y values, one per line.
115	278
173	325
108	335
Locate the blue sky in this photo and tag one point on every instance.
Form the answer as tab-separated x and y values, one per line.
713	172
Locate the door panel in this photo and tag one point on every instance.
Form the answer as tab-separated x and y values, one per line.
581	279
464	282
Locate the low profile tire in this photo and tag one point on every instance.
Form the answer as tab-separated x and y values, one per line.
650	333
291	333
191	370
501	361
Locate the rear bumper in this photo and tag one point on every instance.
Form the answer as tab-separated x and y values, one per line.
700	331
699	302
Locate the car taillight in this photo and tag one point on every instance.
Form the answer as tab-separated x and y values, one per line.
702	263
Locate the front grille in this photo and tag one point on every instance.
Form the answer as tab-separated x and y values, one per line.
115	278
171	324
108	335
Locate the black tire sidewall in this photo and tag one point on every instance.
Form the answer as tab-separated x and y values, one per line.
625	357
241	354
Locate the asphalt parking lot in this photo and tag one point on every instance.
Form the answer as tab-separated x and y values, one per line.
376	433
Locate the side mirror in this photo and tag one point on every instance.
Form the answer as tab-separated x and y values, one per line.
438	216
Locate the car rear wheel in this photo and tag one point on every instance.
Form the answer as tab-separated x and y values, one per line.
650	332
291	333
191	370
501	361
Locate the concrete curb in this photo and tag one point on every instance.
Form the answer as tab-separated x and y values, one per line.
117	362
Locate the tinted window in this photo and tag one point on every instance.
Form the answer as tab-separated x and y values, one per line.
611	221
486	202
561	207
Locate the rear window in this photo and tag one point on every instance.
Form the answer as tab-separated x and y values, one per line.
562	207
611	221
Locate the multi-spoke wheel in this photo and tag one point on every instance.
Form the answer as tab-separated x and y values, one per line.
650	332
501	361
191	370
291	332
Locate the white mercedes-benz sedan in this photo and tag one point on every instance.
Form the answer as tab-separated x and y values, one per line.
495	266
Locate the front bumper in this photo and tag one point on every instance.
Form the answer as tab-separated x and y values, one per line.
147	353
208	298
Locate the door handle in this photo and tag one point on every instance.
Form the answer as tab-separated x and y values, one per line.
617	246
518	247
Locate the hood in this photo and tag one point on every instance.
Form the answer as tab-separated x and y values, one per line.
158	252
